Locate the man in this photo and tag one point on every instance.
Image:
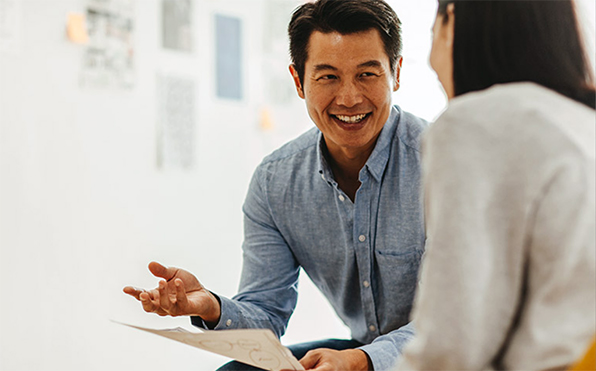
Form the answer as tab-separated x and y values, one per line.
341	201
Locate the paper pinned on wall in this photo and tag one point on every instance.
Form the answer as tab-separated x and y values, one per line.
108	61
256	347
76	29
228	56
10	26
279	89
177	23
176	122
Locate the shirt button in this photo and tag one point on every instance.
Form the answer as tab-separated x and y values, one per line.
372	328
228	322
362	238
366	283
342	198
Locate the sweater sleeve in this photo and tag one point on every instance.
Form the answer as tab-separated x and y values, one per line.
507	281
473	268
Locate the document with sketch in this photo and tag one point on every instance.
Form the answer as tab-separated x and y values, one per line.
256	347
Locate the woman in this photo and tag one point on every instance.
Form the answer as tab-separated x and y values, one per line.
508	280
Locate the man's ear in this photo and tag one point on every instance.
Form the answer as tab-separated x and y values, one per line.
397	73
297	83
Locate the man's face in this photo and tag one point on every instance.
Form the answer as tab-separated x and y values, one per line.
347	88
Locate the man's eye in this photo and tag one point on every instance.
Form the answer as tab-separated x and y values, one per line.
328	77
367	74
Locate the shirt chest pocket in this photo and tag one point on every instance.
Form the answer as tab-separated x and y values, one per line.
397	272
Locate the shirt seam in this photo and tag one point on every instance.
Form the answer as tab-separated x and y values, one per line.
295	152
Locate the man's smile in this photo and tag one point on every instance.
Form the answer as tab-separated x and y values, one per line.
351	119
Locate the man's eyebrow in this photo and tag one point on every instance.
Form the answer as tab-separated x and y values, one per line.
371	63
323	67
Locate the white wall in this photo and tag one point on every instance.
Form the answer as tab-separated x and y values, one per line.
84	207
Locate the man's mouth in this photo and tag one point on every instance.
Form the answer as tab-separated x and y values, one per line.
351	119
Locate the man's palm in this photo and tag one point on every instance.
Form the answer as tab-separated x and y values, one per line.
180	293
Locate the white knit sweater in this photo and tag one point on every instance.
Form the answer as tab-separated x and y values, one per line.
508	279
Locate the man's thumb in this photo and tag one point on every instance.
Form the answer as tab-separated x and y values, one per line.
310	360
159	270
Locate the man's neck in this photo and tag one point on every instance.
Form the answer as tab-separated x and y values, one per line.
346	166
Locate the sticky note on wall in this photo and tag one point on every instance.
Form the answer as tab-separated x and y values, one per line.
76	28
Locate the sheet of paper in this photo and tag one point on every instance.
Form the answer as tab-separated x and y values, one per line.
109	58
256	347
177	21
11	15
176	139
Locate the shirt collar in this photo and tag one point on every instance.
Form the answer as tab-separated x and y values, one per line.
377	161
379	157
324	168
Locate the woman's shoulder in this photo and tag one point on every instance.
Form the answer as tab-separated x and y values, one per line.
518	108
511	98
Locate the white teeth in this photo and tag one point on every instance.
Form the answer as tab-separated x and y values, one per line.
351	119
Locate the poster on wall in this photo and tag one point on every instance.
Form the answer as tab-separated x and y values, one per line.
177	26
278	82
176	122
108	61
10	26
228	54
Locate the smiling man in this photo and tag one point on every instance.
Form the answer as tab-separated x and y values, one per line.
347	82
342	201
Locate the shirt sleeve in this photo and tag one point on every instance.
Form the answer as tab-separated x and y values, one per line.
386	349
267	293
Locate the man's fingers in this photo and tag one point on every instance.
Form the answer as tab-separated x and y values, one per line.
181	299
164	297
169	298
146	302
133	291
161	271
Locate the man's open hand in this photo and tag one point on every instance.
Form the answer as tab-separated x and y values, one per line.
179	294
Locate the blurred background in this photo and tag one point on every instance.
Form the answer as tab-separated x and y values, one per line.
129	131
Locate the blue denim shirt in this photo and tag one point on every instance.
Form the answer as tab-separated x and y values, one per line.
363	256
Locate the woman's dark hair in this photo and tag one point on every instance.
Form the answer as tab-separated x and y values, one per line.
519	40
345	17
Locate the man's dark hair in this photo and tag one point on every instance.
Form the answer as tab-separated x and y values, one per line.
519	40
345	17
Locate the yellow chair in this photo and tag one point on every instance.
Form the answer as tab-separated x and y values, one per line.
588	362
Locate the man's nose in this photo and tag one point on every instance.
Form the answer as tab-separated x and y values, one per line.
349	94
